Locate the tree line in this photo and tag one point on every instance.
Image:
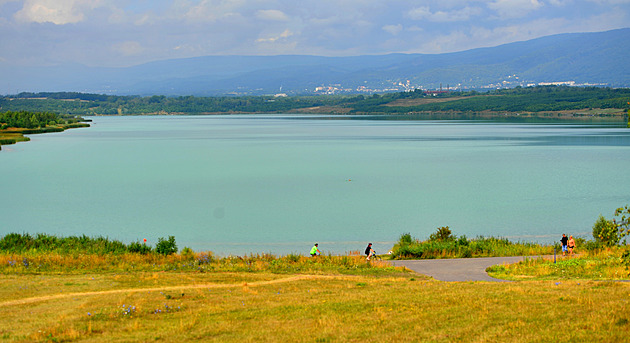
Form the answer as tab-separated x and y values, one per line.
528	99
33	120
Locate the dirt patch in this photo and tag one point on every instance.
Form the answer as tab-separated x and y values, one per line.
324	110
423	101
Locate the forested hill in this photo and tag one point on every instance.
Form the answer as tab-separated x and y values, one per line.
593	58
539	99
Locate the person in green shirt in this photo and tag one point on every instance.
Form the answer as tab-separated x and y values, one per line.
315	250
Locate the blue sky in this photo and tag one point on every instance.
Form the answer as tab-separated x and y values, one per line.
127	32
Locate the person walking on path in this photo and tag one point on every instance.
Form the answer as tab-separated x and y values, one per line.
369	251
564	242
315	250
571	245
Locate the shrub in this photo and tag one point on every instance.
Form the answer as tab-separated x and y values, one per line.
405	239
605	231
136	247
593	246
462	241
166	247
188	253
442	234
443	244
465	252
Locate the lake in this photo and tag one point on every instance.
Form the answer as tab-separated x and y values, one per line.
277	184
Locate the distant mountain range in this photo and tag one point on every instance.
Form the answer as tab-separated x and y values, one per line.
600	58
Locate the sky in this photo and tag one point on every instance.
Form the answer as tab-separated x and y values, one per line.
119	33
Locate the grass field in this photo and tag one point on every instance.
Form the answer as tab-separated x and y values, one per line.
329	299
607	265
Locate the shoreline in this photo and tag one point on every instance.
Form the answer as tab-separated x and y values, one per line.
14	136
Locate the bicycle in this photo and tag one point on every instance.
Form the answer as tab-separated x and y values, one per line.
375	257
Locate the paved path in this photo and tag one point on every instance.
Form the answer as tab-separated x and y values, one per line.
459	269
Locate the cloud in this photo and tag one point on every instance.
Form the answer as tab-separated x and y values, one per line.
58	12
559	3
126	32
508	9
209	10
611	2
392	29
273	15
283	35
421	13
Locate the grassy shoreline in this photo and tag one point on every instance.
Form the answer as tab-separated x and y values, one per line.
13	135
93	289
222	306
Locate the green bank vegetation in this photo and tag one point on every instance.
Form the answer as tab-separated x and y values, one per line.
607	233
42	253
444	244
15	124
540	101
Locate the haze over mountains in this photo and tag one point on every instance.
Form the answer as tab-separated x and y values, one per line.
600	58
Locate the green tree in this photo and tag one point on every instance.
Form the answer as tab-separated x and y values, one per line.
605	232
442	234
623	224
166	247
33	122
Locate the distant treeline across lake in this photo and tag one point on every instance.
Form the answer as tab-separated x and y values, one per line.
549	101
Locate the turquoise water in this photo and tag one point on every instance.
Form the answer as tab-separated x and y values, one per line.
278	184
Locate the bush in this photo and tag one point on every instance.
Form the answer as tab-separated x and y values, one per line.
605	231
136	247
462	241
166	247
405	239
443	244
188	253
17	243
442	234
593	246
465	252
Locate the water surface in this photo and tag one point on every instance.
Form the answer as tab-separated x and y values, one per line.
250	184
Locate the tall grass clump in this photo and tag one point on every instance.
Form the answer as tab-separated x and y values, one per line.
44	243
19	243
444	244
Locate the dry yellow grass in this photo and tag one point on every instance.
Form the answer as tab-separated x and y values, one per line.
265	307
